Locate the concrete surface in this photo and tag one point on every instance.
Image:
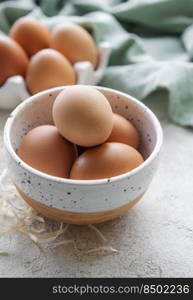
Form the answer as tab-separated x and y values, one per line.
155	239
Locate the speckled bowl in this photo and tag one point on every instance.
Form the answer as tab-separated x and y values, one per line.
81	201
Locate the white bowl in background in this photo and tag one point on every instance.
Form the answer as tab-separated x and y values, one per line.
14	90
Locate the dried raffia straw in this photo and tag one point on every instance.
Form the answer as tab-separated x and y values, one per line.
97	249
3	176
23	219
67	242
102	237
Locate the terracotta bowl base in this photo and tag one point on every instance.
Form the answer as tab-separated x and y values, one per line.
78	218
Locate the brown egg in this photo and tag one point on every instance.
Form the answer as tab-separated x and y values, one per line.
83	115
13	59
123	132
30	34
48	68
44	149
105	161
75	43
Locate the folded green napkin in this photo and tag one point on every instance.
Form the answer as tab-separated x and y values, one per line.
151	40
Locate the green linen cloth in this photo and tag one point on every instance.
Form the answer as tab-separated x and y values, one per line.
151	41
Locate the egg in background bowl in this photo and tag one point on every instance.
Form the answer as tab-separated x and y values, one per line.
30	34
48	68
77	46
13	59
74	42
15	91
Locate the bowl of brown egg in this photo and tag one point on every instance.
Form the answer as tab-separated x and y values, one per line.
82	154
33	59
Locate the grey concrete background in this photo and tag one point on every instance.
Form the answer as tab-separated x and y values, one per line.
154	239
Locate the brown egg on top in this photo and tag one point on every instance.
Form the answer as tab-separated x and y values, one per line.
44	149
105	161
123	132
83	115
30	34
75	43
13	59
48	68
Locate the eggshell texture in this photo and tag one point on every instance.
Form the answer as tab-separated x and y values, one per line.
13	59
123	132
83	115
44	149
30	34
48	68
105	161
75	43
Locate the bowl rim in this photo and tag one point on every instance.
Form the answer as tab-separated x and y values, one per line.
9	148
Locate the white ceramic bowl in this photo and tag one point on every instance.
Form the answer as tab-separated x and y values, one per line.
14	90
81	201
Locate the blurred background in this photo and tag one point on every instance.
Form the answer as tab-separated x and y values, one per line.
151	43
